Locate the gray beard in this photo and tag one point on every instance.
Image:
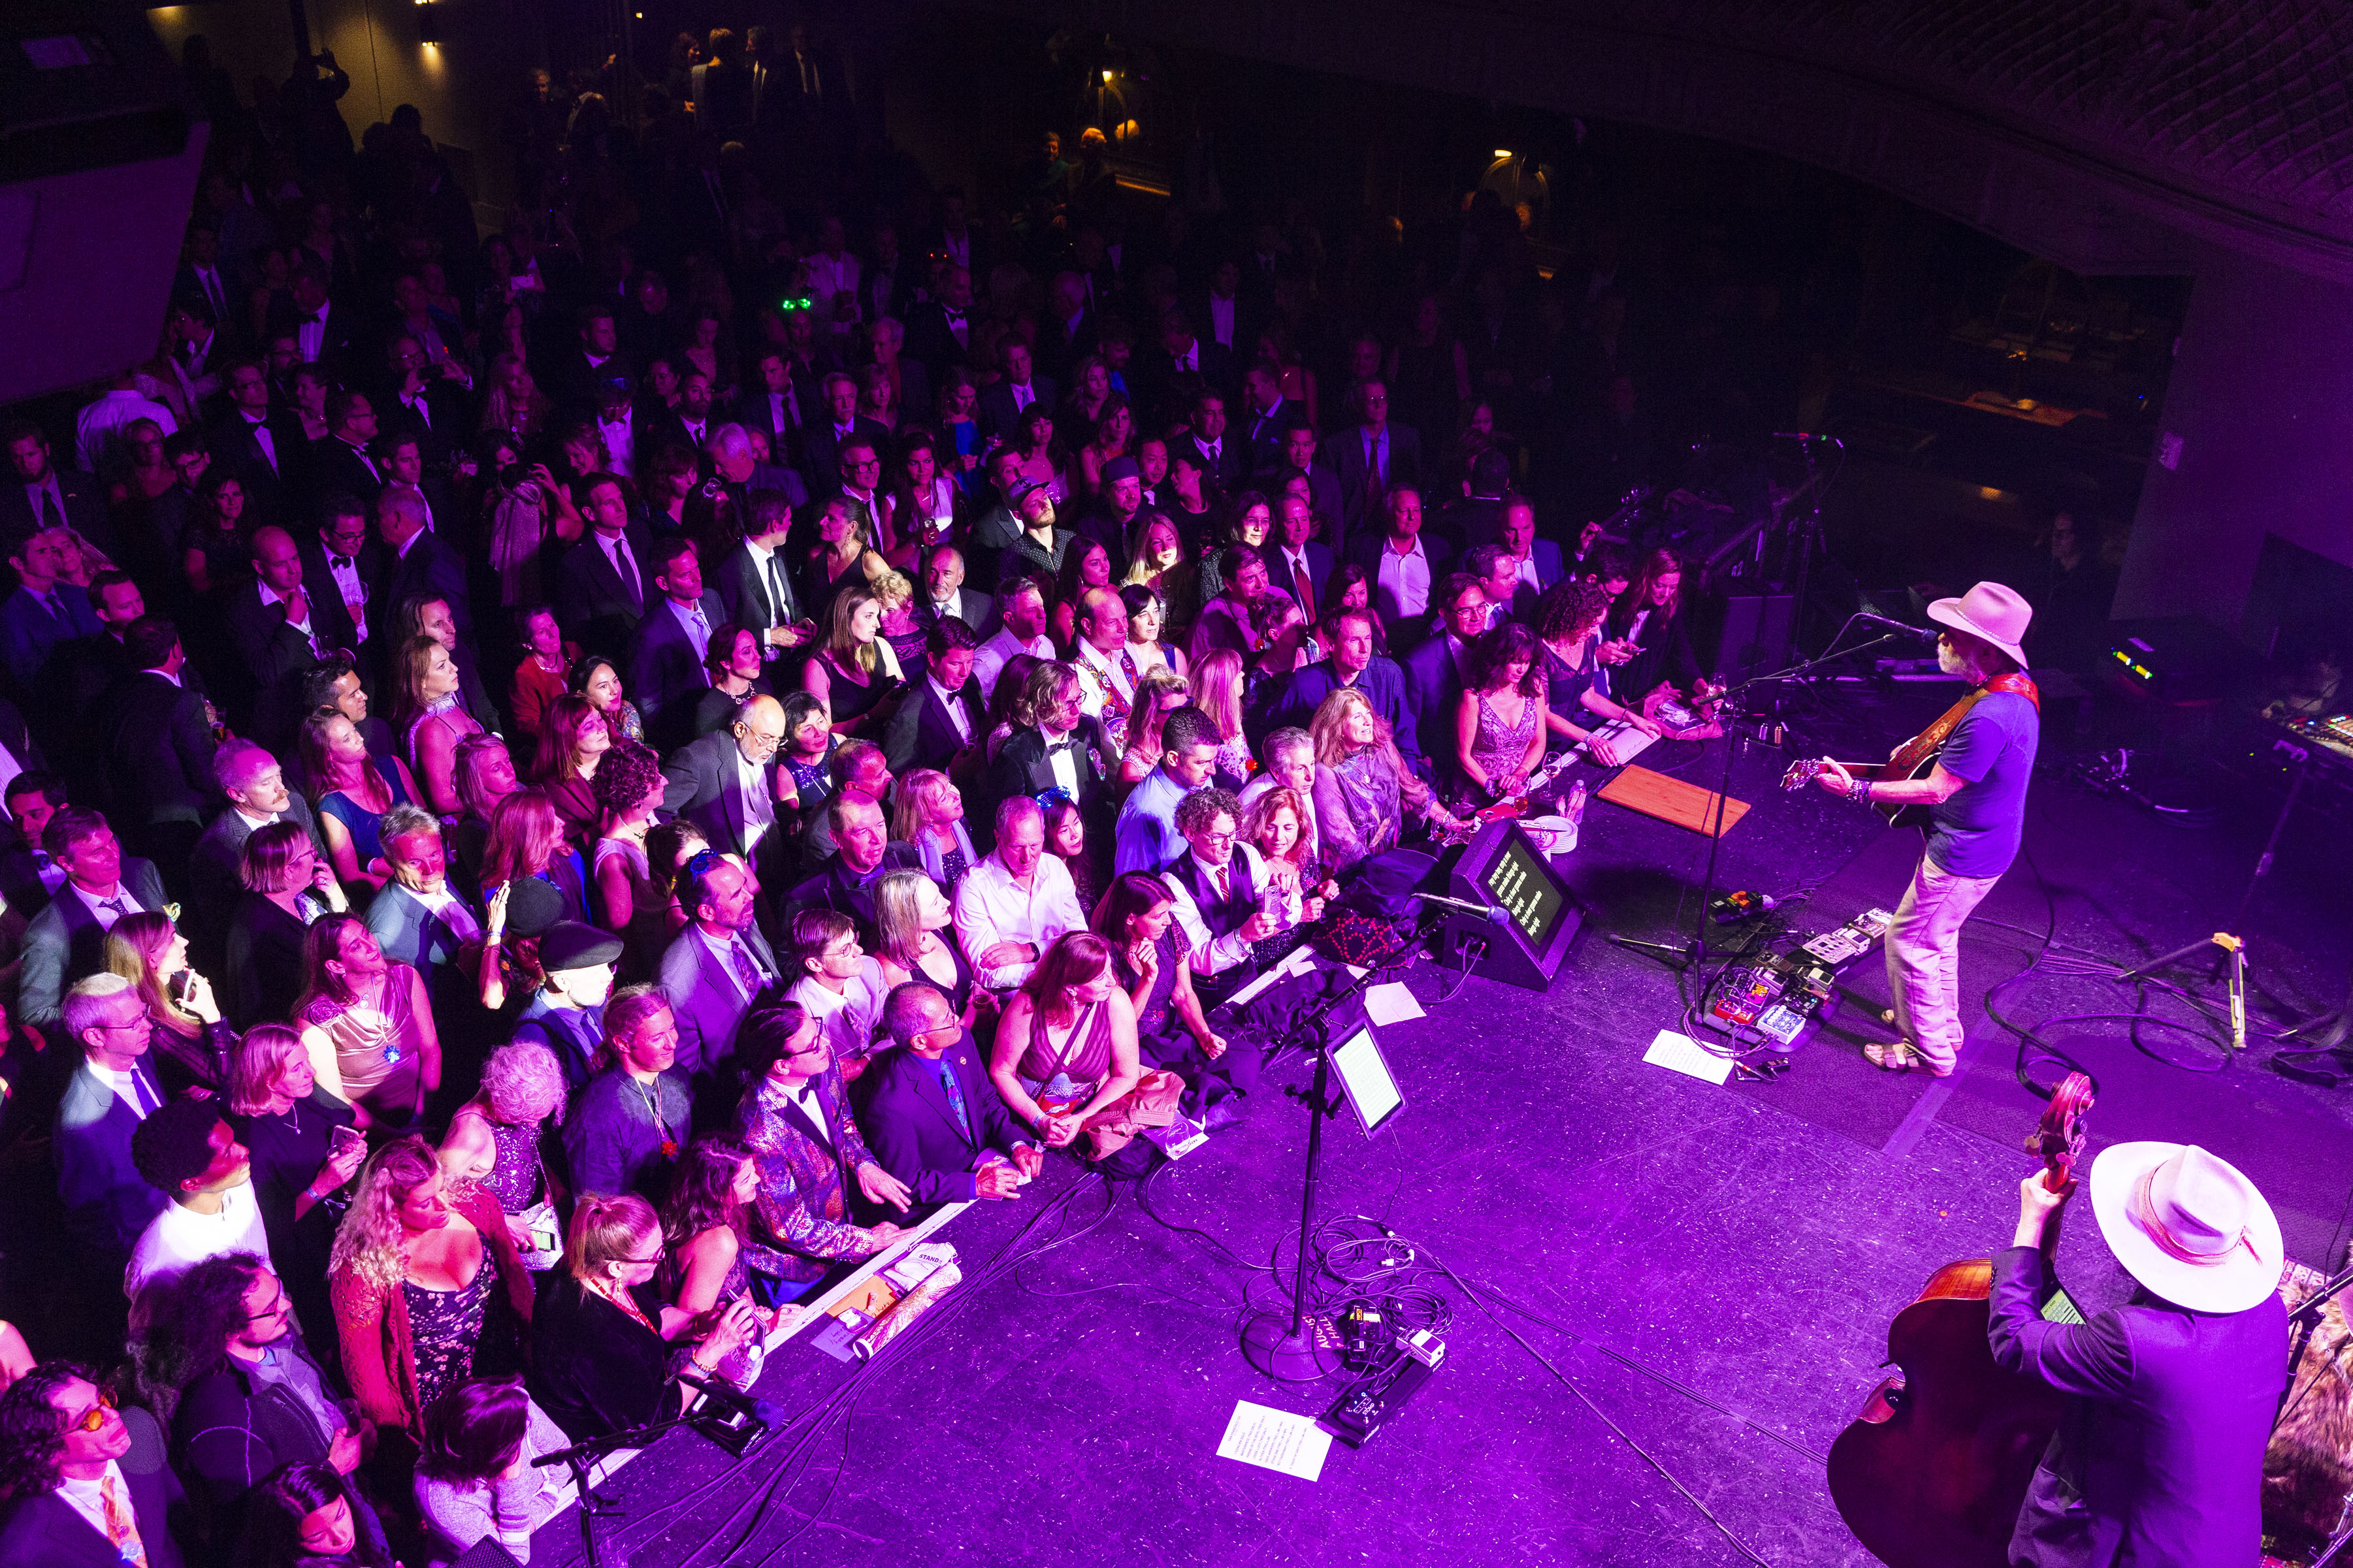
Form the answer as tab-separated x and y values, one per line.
1952	661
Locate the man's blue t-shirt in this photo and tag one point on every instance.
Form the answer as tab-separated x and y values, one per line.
1991	751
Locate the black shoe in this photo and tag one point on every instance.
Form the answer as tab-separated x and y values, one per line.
1227	1113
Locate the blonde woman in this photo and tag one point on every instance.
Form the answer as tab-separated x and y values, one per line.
1160	693
900	629
930	816
1362	794
431	720
856	670
914	940
1218	691
495	1138
190	1042
428	1288
303	1152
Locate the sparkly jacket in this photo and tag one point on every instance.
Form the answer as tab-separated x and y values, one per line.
804	1202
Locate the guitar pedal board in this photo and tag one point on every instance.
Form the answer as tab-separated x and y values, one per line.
1779	997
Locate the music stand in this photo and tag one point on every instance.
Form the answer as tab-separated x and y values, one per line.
1289	1349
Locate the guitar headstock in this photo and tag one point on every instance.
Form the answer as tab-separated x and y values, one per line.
2058	1140
1802	773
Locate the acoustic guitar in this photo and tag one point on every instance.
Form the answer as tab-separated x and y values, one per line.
1934	1470
1917	757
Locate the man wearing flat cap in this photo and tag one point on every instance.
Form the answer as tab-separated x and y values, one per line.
2159	1457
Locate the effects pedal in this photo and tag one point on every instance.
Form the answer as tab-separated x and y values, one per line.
1357	1415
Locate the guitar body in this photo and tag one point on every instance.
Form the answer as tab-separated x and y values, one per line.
1917	758
1933	1471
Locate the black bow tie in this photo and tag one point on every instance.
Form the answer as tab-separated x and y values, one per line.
952	315
338	561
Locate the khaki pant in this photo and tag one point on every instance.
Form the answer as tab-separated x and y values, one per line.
1924	959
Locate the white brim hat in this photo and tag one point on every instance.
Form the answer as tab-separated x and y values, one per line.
1996	614
2187	1224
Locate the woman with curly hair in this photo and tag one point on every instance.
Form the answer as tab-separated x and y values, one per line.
496	1140
629	786
429	1287
1363	795
710	1227
1577	683
1499	719
573	739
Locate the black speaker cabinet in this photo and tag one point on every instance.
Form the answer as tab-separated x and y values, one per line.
1503	869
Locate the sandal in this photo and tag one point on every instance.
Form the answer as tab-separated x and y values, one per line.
1899	1057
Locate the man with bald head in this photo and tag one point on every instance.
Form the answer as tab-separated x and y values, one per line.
286	620
419	563
725	782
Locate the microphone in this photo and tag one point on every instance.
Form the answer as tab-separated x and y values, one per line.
1930	633
1493	915
767	1412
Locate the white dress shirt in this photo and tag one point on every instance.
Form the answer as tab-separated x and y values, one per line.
270	595
127	901
88	1499
990	908
179	1239
959	719
847	1020
1401	585
759	806
354	591
988	663
1213	955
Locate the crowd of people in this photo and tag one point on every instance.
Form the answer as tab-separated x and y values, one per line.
561	788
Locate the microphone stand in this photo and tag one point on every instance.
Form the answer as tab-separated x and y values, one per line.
1290	1352
581	1457
1691	952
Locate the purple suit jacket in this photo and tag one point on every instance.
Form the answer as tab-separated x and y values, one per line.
2159	1457
804	1200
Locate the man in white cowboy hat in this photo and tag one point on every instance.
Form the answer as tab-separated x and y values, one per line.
1976	792
2159	1457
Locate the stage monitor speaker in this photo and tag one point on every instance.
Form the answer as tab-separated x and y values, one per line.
1502	867
100	146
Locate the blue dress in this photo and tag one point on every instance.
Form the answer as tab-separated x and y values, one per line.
358	821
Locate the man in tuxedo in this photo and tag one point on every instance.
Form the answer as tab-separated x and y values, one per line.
692	424
45	613
1266	416
859	483
290	617
766	404
1226	317
1183	367
339	461
402	460
594	359
933	1119
119	1468
725	782
666	676
1402	566
199	277
418	564
945	723
602	589
344	561
943	596
956	238
753	586
256	786
28	873
1222	460
940	334
423	402
1299	563
1373	456
322	333
1063	749
1435	671
1005	402
264	447
822	443
66	940
159	744
714	969
38	489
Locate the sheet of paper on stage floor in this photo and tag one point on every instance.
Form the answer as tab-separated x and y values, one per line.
1391	1003
1275	1440
1685	1055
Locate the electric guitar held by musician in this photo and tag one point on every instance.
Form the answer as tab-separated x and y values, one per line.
1914	758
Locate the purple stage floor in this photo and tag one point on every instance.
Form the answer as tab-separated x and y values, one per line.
1742	1247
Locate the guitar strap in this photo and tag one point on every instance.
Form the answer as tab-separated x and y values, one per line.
1932	738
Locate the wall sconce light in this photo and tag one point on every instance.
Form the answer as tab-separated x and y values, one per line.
428	23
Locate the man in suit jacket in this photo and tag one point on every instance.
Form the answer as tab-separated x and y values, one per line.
1005	402
666	677
1223	460
714	971
1535	563
264	447
863	854
1293	700
27	872
159	742
419	563
338	462
37	490
1297	563
67	941
2170	1399
944	597
1066	335
1063	749
255	783
1434	670
944	724
754	584
822	441
1183	369
124	1463
1372	457
322	332
725	782
939	331
423	402
811	1156
1265	417
605	582
765	403
45	614
108	1203
933	1120
290	617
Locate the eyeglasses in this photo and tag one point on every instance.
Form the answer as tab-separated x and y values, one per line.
660	1253
95	1416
